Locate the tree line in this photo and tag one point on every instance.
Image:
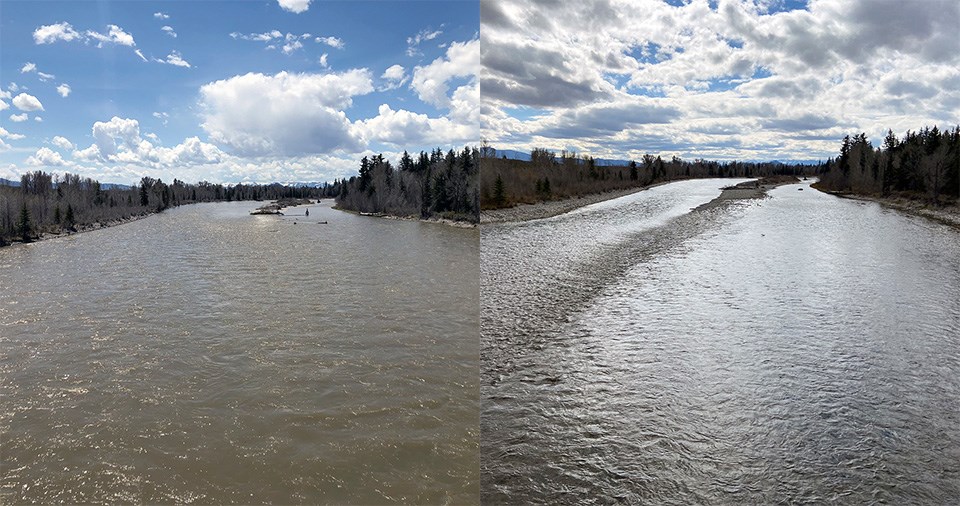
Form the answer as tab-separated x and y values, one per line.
434	185
922	165
547	176
50	203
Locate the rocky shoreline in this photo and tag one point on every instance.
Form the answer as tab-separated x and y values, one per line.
46	236
948	215
547	209
440	221
753	189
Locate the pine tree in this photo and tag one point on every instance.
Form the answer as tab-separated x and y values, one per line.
499	192
23	225
441	201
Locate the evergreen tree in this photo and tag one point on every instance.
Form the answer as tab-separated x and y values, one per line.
499	192
23	225
441	200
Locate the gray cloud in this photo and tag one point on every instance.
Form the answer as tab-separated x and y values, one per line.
805	122
493	16
607	118
526	74
925	27
838	66
899	87
797	89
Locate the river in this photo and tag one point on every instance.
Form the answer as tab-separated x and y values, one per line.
799	348
205	355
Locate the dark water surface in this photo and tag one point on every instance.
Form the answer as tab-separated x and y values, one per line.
801	348
204	355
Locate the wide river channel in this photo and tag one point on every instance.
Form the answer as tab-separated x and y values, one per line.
800	348
205	355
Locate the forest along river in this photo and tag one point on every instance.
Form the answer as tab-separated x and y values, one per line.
796	348
206	355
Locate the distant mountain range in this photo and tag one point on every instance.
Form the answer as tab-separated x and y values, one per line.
118	186
512	154
105	186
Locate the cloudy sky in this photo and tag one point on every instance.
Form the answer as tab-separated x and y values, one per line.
718	79
256	90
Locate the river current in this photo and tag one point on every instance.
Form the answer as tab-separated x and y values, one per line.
798	348
206	355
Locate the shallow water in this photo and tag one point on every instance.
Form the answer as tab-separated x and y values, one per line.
205	355
800	348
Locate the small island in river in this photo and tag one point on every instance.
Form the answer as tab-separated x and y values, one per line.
277	207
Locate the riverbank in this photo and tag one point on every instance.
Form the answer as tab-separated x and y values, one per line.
79	229
526	212
550	208
98	225
440	221
948	215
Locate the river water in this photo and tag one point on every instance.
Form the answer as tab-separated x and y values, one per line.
205	355
799	348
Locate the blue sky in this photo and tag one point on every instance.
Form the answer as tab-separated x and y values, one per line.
715	79
232	91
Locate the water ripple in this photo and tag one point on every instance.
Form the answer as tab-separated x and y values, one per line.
802	350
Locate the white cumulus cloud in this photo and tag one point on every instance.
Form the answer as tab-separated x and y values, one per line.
169	31
114	35
62	143
333	42
46	157
4	134
161	15
395	75
295	6
109	135
26	102
292	45
119	141
462	60
64	90
49	34
404	128
284	113
28	67
17	118
174	58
